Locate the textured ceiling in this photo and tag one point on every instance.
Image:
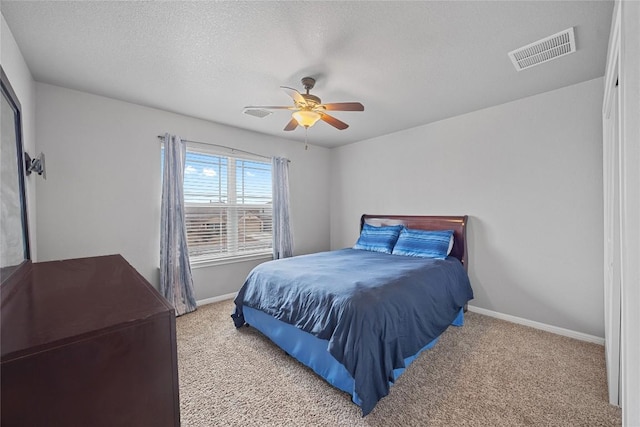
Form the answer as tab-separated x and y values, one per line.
409	63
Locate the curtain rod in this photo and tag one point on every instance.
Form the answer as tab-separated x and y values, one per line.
223	146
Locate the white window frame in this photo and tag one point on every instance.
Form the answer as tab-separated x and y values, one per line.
231	220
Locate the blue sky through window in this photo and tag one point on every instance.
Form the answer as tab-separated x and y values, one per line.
206	180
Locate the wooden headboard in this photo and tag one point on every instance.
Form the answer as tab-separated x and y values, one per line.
456	223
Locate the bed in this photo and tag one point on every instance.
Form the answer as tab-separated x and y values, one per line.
359	316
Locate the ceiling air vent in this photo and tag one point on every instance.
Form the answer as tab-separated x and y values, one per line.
552	47
257	112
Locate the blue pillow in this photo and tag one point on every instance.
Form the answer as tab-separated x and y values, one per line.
378	239
425	244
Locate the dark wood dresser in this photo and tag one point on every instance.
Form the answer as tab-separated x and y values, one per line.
86	342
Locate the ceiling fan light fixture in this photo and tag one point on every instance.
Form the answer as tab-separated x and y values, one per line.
306	118
307	109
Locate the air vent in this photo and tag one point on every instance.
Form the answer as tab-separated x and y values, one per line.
257	112
545	50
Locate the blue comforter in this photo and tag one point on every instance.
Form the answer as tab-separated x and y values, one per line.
375	309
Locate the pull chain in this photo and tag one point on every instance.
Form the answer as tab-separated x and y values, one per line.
306	138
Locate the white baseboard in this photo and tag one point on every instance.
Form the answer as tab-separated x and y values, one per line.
537	325
216	299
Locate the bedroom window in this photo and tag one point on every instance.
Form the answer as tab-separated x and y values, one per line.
228	206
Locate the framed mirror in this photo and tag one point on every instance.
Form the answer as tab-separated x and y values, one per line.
14	246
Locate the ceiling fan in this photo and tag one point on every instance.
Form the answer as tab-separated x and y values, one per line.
307	109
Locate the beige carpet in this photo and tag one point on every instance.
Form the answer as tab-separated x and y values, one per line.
488	372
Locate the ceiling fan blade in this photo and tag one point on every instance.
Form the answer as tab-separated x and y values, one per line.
297	97
291	125
344	106
333	121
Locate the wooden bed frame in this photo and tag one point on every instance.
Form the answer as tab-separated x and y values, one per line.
456	223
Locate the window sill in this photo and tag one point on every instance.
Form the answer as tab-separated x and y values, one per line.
231	260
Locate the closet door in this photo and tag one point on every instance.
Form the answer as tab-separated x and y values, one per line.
628	114
621	157
612	240
612	178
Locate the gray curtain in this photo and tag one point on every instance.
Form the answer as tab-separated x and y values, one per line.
282	240
176	283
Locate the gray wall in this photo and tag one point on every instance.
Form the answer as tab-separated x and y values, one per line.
529	175
102	193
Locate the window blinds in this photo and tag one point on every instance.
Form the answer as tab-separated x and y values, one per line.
228	206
